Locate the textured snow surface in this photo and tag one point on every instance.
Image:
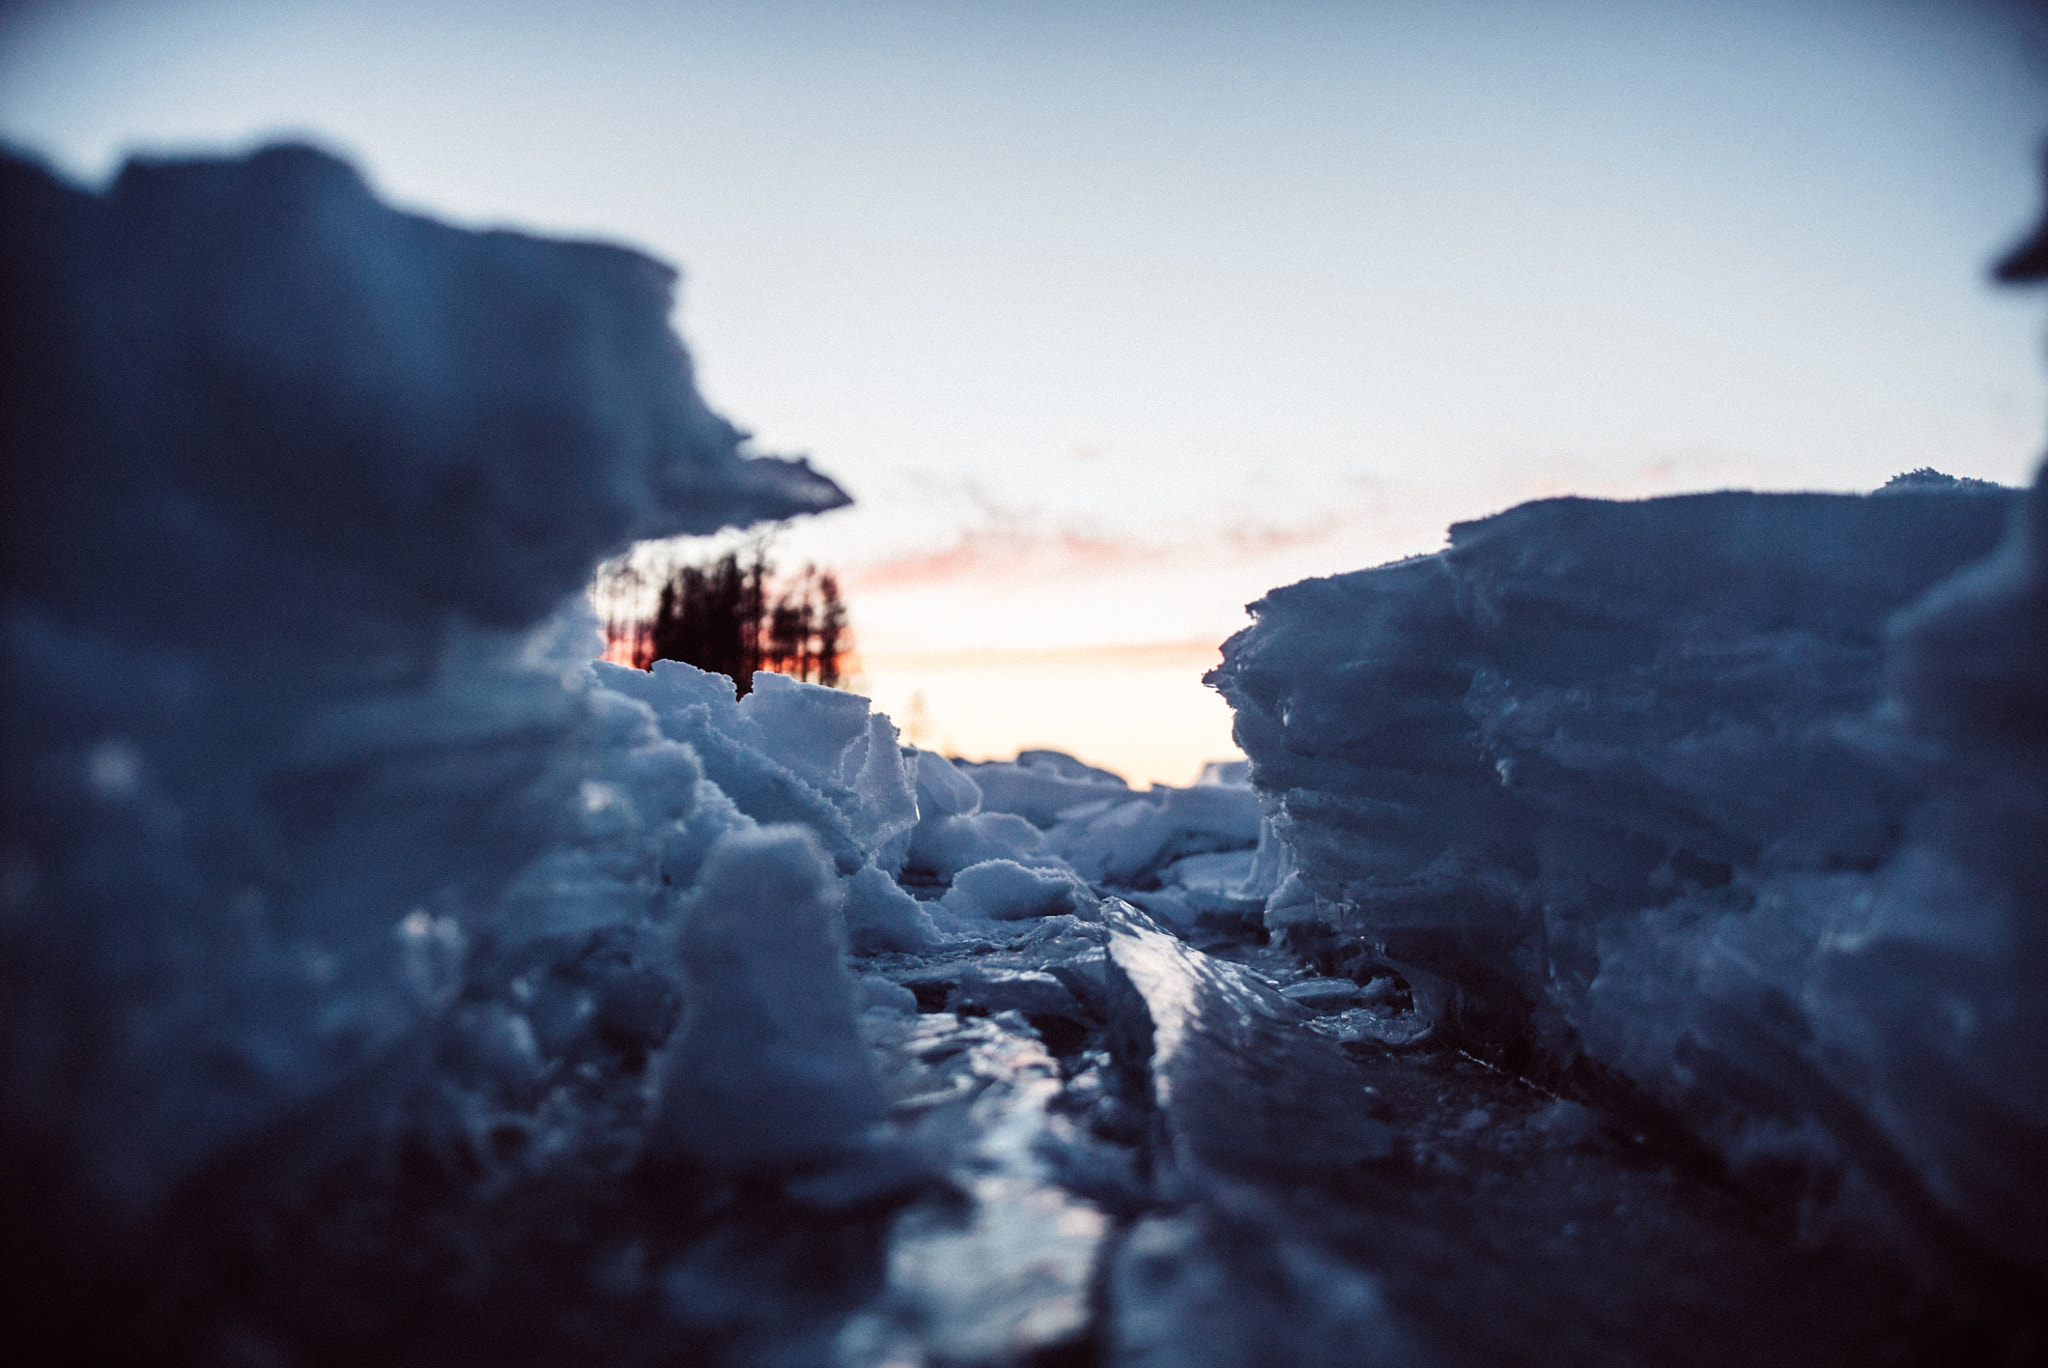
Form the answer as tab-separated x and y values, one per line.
1738	796
381	980
297	483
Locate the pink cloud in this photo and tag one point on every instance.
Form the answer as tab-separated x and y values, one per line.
1193	654
1013	547
1001	552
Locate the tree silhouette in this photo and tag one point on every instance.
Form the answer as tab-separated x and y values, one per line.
730	616
832	629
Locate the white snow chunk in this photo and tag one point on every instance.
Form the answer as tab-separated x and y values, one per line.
942	790
881	994
806	754
1039	785
767	1068
881	916
941	848
1003	890
1126	841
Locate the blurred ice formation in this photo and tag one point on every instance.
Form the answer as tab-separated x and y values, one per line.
1737	796
301	492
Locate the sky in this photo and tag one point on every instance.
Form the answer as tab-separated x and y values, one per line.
1113	316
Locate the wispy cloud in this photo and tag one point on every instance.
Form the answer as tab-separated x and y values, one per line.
1193	654
1004	550
1010	546
1259	540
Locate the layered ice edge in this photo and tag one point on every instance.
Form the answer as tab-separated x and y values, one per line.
1729	805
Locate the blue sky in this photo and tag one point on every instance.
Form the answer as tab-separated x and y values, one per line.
1114	315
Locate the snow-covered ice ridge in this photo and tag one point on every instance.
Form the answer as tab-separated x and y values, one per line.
1736	797
381	980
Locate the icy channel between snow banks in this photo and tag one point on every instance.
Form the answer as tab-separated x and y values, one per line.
1737	797
381	980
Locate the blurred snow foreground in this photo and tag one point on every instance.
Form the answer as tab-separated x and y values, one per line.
1626	945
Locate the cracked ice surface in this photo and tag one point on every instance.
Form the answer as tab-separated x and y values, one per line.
1001	1265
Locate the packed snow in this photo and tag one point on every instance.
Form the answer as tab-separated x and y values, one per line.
1622	946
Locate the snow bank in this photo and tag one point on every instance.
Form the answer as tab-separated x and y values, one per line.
294	731
1737	796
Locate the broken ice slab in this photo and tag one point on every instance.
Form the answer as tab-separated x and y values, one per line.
1217	882
1065	947
1040	785
1322	992
1395	1030
1237	1086
983	991
1333	994
1127	841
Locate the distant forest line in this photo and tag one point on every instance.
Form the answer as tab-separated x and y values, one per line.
731	615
